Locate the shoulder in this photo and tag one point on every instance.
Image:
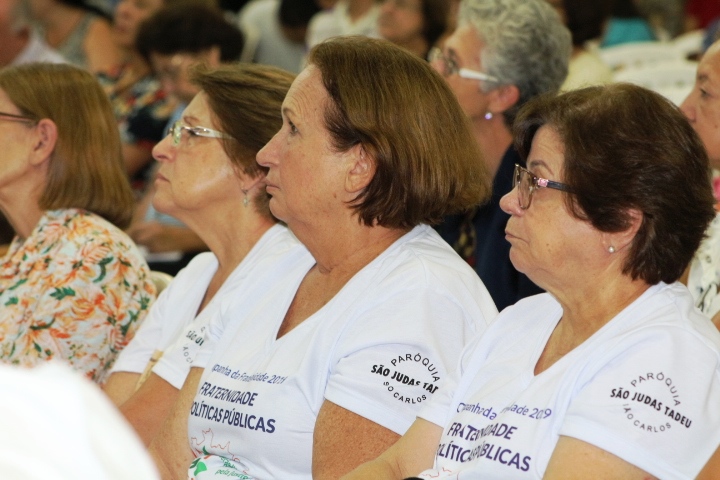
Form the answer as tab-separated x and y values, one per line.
661	331
423	252
671	308
421	283
422	260
92	227
96	239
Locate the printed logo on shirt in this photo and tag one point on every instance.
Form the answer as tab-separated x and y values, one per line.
194	340
410	377
651	401
214	463
463	442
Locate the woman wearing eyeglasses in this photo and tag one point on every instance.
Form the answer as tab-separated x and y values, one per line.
208	179
503	53
613	373
73	286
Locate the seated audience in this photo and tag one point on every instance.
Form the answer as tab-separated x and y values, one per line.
613	373
281	26
19	43
173	41
585	21
347	17
141	107
415	25
69	420
328	367
504	53
702	108
79	31
73	285
211	182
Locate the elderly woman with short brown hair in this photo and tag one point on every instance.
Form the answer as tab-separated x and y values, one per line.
208	178
612	373
329	367
73	286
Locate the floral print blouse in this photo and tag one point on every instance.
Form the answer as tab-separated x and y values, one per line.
76	289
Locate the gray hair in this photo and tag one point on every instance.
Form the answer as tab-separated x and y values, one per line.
526	45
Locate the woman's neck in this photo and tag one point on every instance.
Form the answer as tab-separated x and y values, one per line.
343	248
22	216
585	311
494	138
230	241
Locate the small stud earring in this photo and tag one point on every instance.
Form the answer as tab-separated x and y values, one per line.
488	116
246	202
611	249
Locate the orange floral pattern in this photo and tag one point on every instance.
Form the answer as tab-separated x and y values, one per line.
76	289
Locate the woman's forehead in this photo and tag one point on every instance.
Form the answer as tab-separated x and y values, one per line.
307	93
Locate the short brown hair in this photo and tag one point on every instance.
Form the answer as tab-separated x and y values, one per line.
246	99
404	115
86	169
629	148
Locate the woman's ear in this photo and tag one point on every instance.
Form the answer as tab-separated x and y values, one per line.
503	98
45	140
620	240
361	170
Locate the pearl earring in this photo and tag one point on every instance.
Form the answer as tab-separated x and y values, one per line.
488	116
611	249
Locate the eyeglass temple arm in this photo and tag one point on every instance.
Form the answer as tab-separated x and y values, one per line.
543	182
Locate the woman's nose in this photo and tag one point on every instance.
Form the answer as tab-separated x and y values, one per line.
510	203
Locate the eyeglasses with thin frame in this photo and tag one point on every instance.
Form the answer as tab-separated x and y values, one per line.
177	129
13	117
450	67
527	183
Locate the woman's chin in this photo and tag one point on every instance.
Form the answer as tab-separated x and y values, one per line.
518	261
164	206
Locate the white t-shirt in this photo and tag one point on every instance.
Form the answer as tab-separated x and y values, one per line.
273	48
37	51
380	348
277	251
645	387
172	326
337	22
58	425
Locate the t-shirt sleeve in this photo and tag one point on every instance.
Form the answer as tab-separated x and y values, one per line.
174	365
653	403
396	355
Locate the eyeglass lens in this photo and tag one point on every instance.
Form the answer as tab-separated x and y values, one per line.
523	180
176	132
